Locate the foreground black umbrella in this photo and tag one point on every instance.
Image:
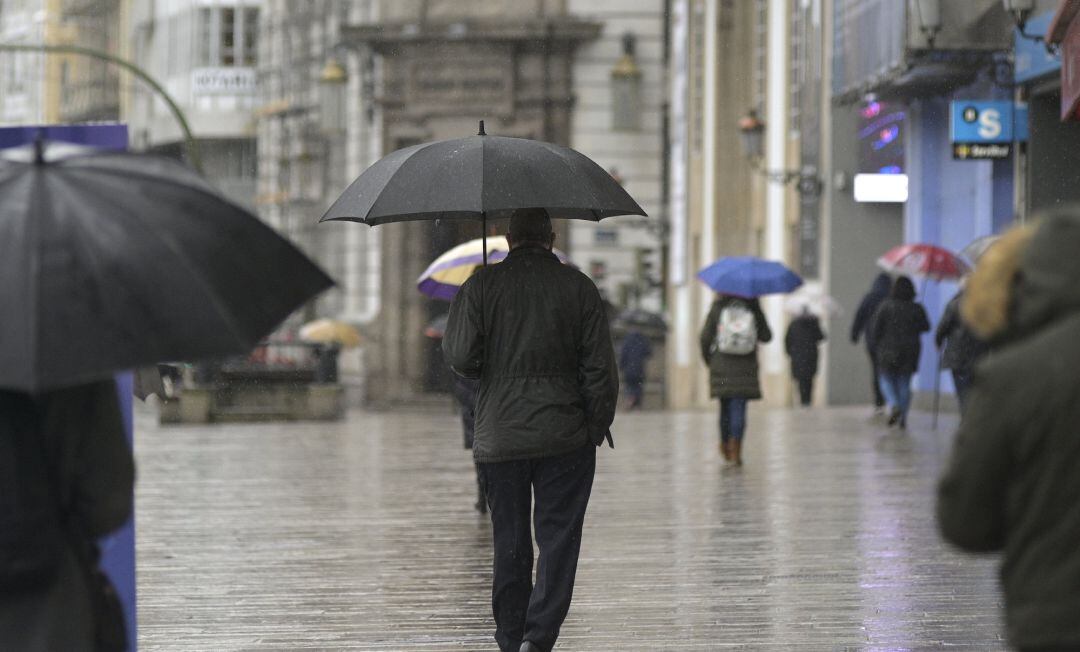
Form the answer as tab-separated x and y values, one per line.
481	177
111	261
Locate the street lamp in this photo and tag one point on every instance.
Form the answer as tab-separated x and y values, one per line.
1020	10
752	133
333	82
626	89
929	15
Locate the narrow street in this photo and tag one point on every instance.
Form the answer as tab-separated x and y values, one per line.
361	535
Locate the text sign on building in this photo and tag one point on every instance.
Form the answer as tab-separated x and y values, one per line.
223	81
985	129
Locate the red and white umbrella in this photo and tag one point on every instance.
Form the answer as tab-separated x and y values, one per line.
923	261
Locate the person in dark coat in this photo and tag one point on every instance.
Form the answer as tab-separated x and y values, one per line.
897	327
879	291
1012	484
535	332
962	348
801	343
465	391
93	477
633	354
733	378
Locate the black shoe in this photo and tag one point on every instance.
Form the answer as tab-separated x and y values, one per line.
526	646
894	417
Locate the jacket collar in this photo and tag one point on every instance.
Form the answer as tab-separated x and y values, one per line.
530	249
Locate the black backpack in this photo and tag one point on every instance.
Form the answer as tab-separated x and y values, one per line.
30	529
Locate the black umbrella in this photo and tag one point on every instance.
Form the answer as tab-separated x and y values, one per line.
112	261
481	177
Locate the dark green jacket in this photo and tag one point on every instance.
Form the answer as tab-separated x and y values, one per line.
1013	483
535	332
732	376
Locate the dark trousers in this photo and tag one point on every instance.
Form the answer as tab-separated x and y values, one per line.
875	382
962	382
635	390
732	418
806	390
561	486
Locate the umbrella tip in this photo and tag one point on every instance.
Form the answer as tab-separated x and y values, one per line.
481	132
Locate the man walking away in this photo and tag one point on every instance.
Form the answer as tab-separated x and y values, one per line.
801	343
879	291
534	331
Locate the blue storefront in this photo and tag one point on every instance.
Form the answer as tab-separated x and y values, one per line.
952	201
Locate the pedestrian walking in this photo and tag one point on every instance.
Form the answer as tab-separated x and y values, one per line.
634	353
1012	485
729	340
465	391
896	329
535	333
960	348
860	327
66	479
801	343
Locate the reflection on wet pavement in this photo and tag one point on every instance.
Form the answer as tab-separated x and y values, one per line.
361	535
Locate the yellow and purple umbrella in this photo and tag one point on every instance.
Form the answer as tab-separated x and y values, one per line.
449	271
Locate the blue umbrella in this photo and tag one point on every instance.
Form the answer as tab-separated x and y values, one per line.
749	276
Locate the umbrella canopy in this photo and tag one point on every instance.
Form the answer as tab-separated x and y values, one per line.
331	331
113	261
924	261
816	301
977	247
481	177
749	277
447	273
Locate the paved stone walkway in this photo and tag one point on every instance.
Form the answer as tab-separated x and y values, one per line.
361	536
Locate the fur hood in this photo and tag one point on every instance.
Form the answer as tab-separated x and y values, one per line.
1028	278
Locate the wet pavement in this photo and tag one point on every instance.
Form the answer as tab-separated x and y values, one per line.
361	535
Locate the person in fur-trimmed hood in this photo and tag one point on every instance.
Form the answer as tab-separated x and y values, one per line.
1013	484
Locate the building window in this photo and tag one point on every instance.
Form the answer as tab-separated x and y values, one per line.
606	237
228	36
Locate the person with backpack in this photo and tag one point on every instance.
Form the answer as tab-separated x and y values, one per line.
66	479
734	327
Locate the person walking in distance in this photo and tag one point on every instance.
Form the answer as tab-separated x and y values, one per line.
801	343
729	340
896	328
535	332
879	291
960	348
634	354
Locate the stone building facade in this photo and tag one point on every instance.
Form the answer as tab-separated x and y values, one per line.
418	71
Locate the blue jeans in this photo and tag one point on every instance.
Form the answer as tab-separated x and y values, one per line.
897	391
732	418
